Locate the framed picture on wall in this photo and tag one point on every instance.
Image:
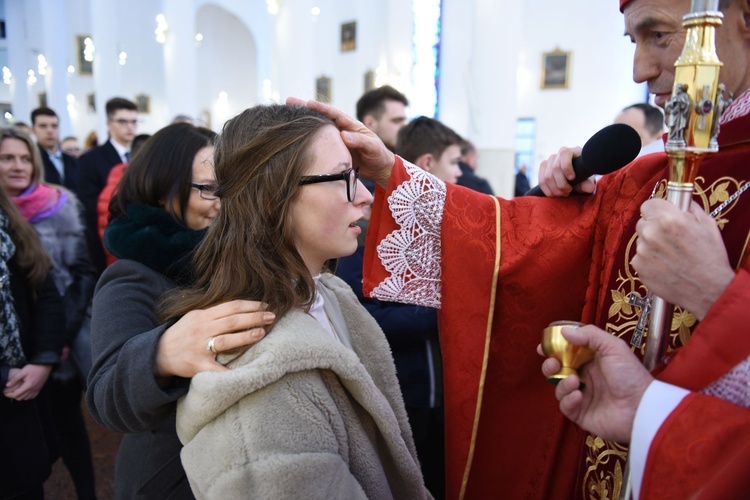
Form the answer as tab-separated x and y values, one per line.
323	89
42	99
85	52
348	36
369	80
143	103
91	103
556	70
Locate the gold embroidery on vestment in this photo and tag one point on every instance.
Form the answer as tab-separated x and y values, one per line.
600	484
606	483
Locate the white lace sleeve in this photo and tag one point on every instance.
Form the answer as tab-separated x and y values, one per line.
411	254
734	386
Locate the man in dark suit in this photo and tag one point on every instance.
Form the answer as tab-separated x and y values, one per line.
468	164
522	182
59	168
383	110
94	167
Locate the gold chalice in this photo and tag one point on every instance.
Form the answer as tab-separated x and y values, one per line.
570	356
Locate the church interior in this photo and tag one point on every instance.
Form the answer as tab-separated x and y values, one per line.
518	79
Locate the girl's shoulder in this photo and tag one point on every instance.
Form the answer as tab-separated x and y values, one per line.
335	284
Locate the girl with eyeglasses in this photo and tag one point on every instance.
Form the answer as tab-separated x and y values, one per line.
314	409
159	213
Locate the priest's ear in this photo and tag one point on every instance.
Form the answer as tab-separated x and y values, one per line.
737	13
425	161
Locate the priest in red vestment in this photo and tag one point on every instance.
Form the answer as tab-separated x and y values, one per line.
502	270
682	444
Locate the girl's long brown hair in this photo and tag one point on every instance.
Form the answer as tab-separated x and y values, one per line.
30	254
248	252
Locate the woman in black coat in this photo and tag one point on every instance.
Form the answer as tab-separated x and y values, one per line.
163	204
54	213
31	311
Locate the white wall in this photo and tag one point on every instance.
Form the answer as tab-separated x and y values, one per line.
601	81
307	47
479	56
254	15
253	55
478	82
227	63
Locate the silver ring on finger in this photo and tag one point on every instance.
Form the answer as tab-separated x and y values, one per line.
210	345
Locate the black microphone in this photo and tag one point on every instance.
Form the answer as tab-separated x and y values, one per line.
608	150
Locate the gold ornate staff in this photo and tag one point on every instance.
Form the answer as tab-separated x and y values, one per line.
692	115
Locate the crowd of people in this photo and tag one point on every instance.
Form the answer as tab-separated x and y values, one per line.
309	304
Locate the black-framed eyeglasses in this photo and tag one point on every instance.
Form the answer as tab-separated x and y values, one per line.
206	191
350	175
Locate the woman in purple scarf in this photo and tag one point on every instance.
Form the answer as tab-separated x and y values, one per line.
54	213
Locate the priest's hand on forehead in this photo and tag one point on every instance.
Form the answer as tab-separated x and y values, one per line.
369	154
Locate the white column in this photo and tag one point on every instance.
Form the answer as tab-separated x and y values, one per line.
395	65
181	68
261	26
295	67
18	60
480	44
56	81
106	68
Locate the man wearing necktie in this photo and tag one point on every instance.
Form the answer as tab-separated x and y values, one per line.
59	168
95	165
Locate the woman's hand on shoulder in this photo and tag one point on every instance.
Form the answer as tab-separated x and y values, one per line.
190	345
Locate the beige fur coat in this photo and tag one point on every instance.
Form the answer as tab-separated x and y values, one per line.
299	415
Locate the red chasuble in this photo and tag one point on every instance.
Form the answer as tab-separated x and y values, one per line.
710	464
509	268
